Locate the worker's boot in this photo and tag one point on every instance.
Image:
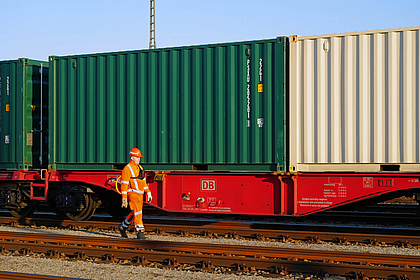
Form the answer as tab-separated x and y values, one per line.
123	231
140	235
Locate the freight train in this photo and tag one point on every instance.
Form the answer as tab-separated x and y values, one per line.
288	126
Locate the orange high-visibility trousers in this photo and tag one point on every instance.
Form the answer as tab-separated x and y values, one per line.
136	205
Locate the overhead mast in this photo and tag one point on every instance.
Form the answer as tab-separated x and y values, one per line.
152	44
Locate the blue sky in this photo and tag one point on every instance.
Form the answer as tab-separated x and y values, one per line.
37	29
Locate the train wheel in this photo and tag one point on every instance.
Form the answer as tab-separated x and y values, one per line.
86	213
16	197
26	211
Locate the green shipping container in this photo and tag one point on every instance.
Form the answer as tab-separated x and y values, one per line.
210	107
23	137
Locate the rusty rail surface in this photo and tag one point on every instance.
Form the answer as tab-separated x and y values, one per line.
248	230
20	276
203	256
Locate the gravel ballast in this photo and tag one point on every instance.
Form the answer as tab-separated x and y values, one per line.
90	270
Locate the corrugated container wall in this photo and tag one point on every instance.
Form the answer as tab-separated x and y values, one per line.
210	107
354	101
22	83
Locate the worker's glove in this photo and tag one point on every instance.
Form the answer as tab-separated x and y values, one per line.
124	203
149	197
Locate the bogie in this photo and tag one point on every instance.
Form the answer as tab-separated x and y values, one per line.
77	203
16	198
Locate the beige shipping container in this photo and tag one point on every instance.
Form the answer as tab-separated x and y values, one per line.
354	102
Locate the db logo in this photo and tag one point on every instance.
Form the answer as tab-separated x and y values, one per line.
208	185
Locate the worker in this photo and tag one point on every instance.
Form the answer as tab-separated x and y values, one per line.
133	186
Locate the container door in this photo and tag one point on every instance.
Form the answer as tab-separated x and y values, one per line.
36	116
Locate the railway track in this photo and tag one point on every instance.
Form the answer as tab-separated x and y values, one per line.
254	231
206	257
241	260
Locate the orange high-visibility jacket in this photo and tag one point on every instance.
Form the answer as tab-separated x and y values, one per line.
130	182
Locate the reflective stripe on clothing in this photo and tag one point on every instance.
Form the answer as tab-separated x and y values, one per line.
136	191
125	224
139	227
125	182
124	192
138	213
134	154
128	220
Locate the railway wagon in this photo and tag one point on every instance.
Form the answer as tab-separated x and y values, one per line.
287	126
200	109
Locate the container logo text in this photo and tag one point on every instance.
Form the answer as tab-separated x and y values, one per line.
208	185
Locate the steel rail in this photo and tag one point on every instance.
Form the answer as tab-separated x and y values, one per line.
20	276
306	261
249	230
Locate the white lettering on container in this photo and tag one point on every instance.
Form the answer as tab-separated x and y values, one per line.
7	85
260	122
248	92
